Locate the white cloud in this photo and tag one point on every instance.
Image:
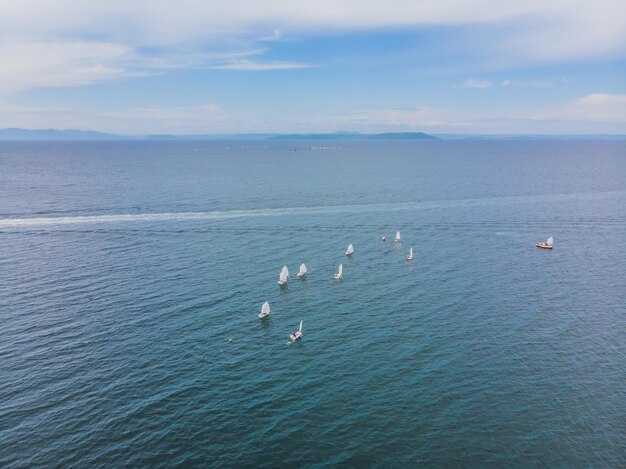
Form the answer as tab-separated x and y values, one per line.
201	119
596	107
172	59
576	29
62	64
186	33
387	119
165	22
205	118
167	113
275	36
528	83
245	64
473	83
28	65
594	113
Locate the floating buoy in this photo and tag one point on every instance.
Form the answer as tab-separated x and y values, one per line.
230	341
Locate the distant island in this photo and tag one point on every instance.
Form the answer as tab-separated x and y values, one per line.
357	136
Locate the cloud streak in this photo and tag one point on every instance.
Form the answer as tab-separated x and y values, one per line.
528	83
593	113
473	83
204	118
595	107
60	64
251	65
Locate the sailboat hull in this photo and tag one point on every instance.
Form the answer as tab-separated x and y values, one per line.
263	315
295	336
543	245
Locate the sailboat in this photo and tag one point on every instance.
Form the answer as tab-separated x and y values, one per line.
303	270
265	310
350	250
410	256
545	244
383	238
397	240
339	273
284	275
295	335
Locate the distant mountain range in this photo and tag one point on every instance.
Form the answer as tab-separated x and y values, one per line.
53	134
86	135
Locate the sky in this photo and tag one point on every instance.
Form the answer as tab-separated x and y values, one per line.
215	67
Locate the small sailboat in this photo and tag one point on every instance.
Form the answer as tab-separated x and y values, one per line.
284	275
350	250
265	310
397	240
384	238
302	271
545	244
295	335
410	256
339	273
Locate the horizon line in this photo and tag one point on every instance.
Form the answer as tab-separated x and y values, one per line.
337	133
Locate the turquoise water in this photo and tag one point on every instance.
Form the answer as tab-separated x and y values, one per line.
125	267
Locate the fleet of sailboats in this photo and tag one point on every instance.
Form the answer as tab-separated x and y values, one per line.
284	276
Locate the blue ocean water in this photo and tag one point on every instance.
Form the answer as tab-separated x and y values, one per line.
125	267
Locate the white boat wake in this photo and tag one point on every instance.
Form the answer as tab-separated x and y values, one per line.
26	222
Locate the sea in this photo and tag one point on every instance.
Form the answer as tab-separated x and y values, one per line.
132	274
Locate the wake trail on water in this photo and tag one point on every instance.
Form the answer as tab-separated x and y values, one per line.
19	222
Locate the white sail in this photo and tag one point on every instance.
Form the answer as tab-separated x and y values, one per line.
295	335
350	250
397	236
550	241
411	253
337	275
265	310
302	270
284	275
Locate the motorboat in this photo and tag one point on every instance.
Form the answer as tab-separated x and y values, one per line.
545	244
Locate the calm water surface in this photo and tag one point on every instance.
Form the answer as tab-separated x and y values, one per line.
126	266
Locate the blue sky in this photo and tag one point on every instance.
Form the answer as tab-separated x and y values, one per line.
446	66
